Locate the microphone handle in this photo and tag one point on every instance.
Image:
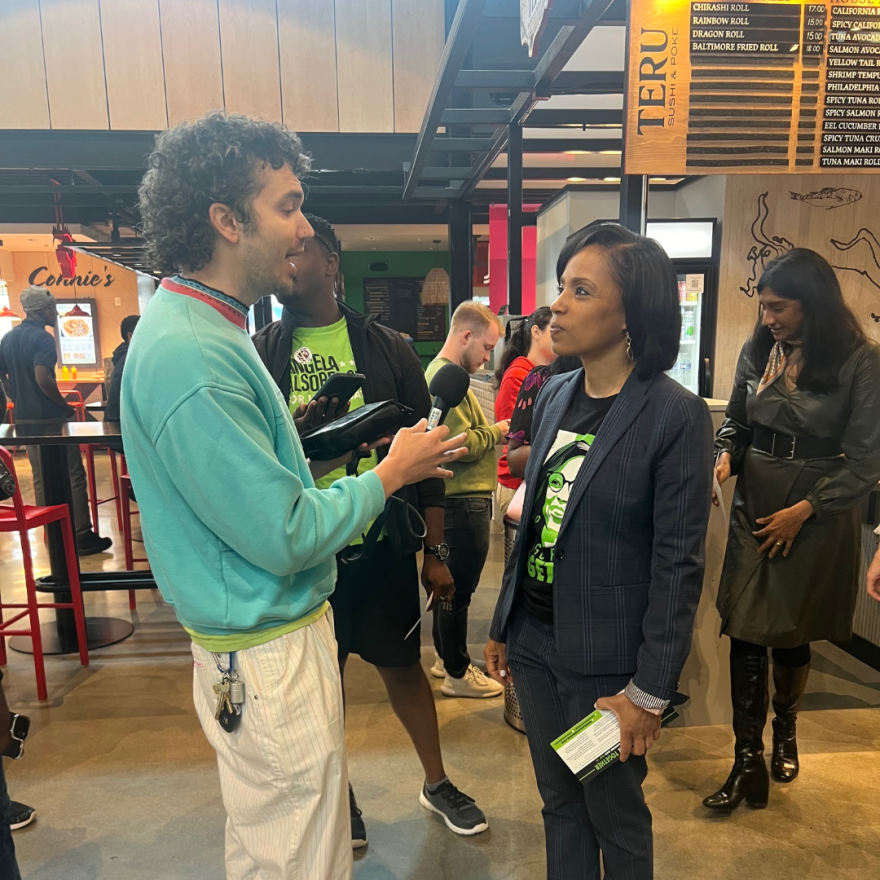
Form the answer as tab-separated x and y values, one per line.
437	414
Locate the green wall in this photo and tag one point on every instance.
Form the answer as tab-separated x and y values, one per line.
401	264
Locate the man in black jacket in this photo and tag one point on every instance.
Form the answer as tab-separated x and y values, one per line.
126	328
376	601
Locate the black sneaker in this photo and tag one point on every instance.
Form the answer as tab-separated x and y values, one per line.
90	543
21	815
460	812
358	829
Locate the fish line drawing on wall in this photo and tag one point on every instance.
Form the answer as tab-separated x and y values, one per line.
766	248
871	272
828	198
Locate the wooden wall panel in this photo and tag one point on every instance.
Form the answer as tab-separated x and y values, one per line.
191	54
766	215
23	99
74	64
307	40
363	64
133	64
418	35
249	40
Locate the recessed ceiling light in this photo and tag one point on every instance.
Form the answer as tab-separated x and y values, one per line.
575	152
611	179
657	180
609	152
373	238
576	179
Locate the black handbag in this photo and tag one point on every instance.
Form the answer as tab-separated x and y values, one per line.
364	425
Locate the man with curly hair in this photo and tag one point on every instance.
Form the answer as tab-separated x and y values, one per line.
241	541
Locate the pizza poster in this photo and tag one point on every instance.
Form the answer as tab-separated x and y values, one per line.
77	341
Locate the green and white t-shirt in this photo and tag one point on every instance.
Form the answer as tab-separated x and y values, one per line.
576	435
317	353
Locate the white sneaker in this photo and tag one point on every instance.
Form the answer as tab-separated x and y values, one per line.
472	684
438	670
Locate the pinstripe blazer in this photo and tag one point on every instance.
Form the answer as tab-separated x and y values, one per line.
630	551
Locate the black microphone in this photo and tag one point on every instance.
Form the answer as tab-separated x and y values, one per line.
448	388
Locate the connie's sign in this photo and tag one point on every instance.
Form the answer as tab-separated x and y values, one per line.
42	277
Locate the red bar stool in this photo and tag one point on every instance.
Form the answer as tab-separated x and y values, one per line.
128	541
89	452
20	517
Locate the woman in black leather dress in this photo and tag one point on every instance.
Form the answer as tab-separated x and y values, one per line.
803	435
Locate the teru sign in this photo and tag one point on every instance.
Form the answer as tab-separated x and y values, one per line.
779	87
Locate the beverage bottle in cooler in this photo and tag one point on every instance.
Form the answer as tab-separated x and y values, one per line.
687	324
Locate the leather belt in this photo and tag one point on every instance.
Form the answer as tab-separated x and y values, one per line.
789	447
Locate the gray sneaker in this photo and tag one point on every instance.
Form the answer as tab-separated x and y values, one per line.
459	812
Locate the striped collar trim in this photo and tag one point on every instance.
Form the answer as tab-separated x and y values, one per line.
230	308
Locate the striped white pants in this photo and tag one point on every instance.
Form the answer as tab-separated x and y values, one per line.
283	772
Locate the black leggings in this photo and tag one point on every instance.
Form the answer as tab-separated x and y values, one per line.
799	656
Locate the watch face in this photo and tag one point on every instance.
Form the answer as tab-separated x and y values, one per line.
443	550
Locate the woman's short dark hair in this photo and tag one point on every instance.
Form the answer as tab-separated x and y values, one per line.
216	159
518	338
649	285
830	332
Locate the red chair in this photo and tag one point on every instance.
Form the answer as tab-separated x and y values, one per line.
89	451
128	541
20	517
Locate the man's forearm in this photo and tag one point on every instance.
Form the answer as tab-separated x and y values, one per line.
50	389
435	523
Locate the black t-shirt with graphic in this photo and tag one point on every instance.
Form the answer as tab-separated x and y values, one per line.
576	435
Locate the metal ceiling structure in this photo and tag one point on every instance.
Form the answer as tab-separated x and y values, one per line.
478	96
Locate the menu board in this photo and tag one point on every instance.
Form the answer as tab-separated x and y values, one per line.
77	333
398	303
727	88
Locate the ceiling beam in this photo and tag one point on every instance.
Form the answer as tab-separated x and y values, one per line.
495	80
539	118
589	173
475	116
561	145
587	82
460	145
461	33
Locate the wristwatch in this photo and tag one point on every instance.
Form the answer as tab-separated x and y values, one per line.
441	551
18	732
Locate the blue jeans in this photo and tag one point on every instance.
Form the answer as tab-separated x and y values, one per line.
8	864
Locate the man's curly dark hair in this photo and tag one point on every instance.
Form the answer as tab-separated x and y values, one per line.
216	159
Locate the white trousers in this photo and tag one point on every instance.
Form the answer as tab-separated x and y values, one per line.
283	772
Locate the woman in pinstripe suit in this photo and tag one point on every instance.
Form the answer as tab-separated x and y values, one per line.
599	594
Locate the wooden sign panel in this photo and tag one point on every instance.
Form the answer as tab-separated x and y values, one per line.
753	87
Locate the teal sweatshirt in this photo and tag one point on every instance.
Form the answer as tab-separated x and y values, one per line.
238	537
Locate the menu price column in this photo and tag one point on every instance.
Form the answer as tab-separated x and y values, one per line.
813	37
851	125
813	44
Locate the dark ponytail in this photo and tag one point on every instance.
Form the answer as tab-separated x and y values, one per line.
518	338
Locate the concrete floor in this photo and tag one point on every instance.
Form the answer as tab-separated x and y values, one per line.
126	786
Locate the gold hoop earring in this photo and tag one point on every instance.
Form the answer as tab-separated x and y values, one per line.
629	347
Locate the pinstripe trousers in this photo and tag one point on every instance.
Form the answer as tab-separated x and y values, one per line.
283	773
606	815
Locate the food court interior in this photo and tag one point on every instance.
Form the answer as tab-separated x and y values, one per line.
465	140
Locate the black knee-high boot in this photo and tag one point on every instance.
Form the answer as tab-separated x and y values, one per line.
748	779
790	682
